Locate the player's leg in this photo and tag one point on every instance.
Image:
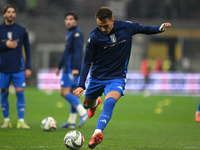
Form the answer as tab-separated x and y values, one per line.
81	110
66	88
113	91
109	104
71	122
92	99
19	84
197	115
4	84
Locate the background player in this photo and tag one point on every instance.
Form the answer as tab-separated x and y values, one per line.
108	48
71	63
12	67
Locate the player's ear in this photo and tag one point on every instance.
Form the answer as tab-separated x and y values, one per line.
113	20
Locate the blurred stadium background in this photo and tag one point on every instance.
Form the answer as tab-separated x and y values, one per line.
180	45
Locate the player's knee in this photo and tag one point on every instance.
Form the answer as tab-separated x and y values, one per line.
63	94
4	90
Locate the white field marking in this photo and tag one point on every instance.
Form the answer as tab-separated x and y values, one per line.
192	147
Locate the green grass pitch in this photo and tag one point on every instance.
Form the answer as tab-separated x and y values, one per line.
138	123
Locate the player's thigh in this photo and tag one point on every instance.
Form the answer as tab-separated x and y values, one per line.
115	88
94	89
114	94
18	79
5	79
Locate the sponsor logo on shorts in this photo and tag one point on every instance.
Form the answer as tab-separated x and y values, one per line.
23	84
120	87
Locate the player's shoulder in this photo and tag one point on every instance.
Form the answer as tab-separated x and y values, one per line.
94	34
77	32
20	26
123	23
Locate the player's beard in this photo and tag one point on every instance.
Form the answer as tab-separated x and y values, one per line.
10	20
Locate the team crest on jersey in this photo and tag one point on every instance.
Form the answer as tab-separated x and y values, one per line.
9	35
76	34
113	38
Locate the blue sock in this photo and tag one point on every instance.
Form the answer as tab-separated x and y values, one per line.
73	110
5	104
198	107
72	99
106	114
20	104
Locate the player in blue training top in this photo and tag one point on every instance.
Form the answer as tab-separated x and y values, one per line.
108	50
13	37
71	63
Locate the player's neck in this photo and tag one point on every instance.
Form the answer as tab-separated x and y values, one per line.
9	23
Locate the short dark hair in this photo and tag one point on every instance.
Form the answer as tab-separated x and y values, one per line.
104	13
72	13
9	6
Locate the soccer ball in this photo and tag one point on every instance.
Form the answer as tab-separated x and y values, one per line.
48	124
74	140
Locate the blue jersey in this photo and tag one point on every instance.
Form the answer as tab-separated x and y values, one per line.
72	56
11	60
109	54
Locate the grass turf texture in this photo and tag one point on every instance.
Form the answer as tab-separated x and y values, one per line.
156	122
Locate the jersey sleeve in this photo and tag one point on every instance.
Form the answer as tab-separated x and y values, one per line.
3	46
88	58
27	50
61	62
77	53
138	28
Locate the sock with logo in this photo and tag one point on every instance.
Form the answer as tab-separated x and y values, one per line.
106	114
20	104
5	104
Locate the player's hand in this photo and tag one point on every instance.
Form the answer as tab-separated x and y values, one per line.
164	26
78	92
75	72
11	44
28	73
57	71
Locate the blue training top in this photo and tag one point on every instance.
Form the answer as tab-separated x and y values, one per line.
109	54
72	56
11	60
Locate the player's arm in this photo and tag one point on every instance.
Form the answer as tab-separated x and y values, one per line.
85	68
61	62
164	26
8	44
77	53
28	55
138	28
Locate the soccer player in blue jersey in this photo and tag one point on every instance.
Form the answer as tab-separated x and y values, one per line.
108	50
13	37
71	63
